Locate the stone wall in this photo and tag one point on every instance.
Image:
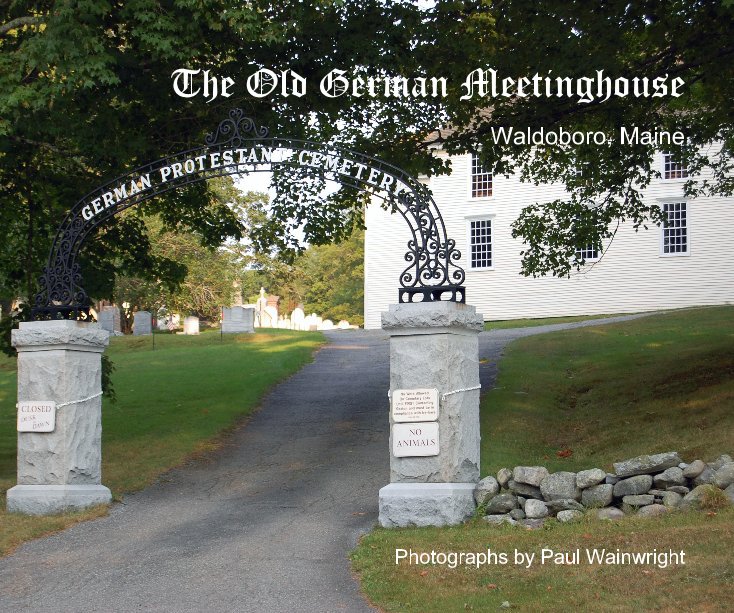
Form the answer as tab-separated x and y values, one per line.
647	485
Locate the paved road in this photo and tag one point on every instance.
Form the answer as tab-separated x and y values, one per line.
265	525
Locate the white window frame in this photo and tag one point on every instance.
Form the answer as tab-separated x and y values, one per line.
582	170
587	260
665	155
599	252
471	181
469	220
676	254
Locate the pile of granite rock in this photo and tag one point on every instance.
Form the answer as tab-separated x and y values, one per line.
648	485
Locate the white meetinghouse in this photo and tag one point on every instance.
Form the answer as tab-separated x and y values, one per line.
687	263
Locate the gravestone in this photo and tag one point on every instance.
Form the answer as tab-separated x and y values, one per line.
170	322
238	319
269	315
191	325
142	323
434	414
60	371
109	319
263	318
297	317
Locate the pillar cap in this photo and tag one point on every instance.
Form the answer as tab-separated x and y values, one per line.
59	334
432	317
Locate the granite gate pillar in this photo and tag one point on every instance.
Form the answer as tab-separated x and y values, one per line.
59	362
434	455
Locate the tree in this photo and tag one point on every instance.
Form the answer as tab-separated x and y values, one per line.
326	279
334	279
85	94
206	285
640	40
187	276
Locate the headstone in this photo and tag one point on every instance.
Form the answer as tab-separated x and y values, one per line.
238	319
434	345
343	324
327	324
297	317
109	319
142	323
171	322
260	314
60	362
270	314
191	325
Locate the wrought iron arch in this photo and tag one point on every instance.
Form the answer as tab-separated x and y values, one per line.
239	146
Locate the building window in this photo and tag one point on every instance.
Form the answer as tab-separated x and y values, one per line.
481	180
588	253
480	243
673	169
675	231
583	170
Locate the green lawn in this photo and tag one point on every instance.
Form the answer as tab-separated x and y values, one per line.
541	321
705	583
580	399
604	393
172	402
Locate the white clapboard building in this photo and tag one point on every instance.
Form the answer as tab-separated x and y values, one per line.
687	263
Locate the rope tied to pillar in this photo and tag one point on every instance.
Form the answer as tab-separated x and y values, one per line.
92	397
66	404
463	389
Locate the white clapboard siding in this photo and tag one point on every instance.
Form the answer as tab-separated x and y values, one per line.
632	275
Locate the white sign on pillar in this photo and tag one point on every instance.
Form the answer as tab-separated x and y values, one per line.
413	405
36	416
414	440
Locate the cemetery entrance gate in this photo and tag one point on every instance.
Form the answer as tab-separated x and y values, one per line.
434	377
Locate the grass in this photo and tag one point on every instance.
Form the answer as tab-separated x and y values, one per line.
173	403
541	321
580	399
704	583
591	396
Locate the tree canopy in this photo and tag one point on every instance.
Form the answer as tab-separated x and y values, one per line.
650	40
85	95
326	279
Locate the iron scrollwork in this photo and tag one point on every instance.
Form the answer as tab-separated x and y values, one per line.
433	272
